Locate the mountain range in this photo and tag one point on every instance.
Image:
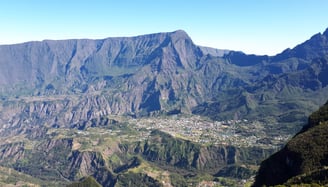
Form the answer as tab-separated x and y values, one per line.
58	99
164	73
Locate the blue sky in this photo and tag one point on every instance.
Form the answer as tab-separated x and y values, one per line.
252	26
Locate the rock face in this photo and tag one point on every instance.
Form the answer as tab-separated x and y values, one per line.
303	159
12	152
52	160
167	151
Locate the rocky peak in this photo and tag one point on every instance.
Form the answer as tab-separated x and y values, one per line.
326	33
179	35
181	50
315	47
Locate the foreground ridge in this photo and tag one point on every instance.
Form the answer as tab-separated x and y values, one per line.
304	158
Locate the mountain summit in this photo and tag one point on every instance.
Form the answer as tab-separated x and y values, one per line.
315	47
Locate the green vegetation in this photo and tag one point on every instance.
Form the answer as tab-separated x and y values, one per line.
121	153
131	179
178	180
9	176
87	182
236	172
318	177
304	159
319	116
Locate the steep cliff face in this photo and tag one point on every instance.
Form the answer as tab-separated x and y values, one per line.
303	159
215	157
84	164
72	111
12	152
51	159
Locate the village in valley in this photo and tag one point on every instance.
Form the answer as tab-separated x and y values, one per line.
240	133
